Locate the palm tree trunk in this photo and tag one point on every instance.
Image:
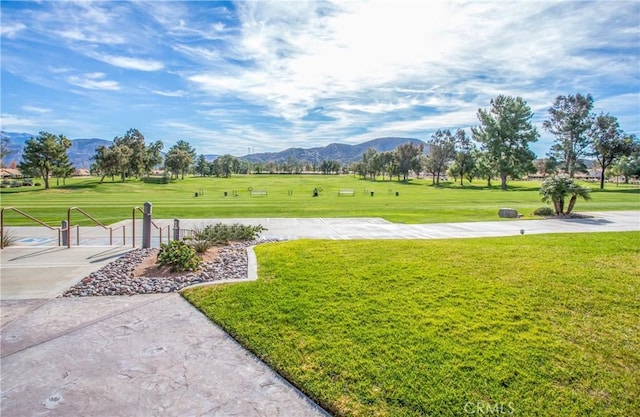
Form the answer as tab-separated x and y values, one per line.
572	202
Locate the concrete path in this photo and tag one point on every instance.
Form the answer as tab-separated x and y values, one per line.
146	355
155	355
345	228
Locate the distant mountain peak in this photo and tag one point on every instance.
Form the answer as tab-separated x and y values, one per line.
343	153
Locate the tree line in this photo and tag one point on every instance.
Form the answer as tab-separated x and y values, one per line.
499	147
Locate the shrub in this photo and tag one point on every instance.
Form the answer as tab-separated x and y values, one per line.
222	234
178	256
198	244
544	211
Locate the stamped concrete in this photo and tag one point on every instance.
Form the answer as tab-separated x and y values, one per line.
147	355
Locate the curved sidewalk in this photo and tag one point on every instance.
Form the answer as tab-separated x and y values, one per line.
156	355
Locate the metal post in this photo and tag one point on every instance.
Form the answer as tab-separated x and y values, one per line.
65	233
176	229
146	226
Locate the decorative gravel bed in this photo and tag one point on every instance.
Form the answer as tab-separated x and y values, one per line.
118	278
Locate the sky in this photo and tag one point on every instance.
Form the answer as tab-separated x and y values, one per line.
262	76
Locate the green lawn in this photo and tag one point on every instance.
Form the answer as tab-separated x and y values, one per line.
536	325
291	196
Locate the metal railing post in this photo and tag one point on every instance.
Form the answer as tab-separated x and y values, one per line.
65	232
146	225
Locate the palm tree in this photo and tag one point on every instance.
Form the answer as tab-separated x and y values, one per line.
576	191
557	187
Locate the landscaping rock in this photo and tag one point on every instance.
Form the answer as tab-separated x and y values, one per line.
117	278
508	213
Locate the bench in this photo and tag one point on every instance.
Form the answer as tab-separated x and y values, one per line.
350	193
258	192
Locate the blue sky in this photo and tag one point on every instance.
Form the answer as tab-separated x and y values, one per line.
234	77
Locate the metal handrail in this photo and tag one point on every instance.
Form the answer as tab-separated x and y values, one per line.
97	222
133	233
27	216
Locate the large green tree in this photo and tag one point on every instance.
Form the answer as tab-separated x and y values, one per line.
408	157
505	133
105	163
610	143
225	165
202	167
152	157
570	120
464	160
44	154
442	151
134	141
629	166
182	156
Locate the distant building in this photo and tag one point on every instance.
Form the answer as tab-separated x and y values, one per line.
11	173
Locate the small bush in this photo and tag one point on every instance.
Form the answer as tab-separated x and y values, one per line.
178	256
199	245
222	234
544	211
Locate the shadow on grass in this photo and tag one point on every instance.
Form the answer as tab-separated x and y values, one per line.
479	187
616	191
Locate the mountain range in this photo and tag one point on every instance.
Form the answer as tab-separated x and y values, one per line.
83	150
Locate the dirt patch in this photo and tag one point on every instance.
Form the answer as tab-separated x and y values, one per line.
149	268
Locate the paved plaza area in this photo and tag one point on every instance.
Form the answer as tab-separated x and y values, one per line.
156	355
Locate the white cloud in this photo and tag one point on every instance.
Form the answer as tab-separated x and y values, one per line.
93	81
11	30
176	93
15	123
130	62
87	35
35	109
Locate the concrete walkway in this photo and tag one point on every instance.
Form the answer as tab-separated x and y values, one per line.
146	355
155	355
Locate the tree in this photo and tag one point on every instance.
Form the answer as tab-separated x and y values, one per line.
202	166
464	160
134	141
64	168
388	164
557	187
153	156
629	166
408	159
505	132
42	155
485	166
442	150
180	157
225	165
610	143
570	120
105	163
330	166
370	163
177	161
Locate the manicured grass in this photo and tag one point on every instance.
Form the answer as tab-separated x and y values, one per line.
291	196
537	324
